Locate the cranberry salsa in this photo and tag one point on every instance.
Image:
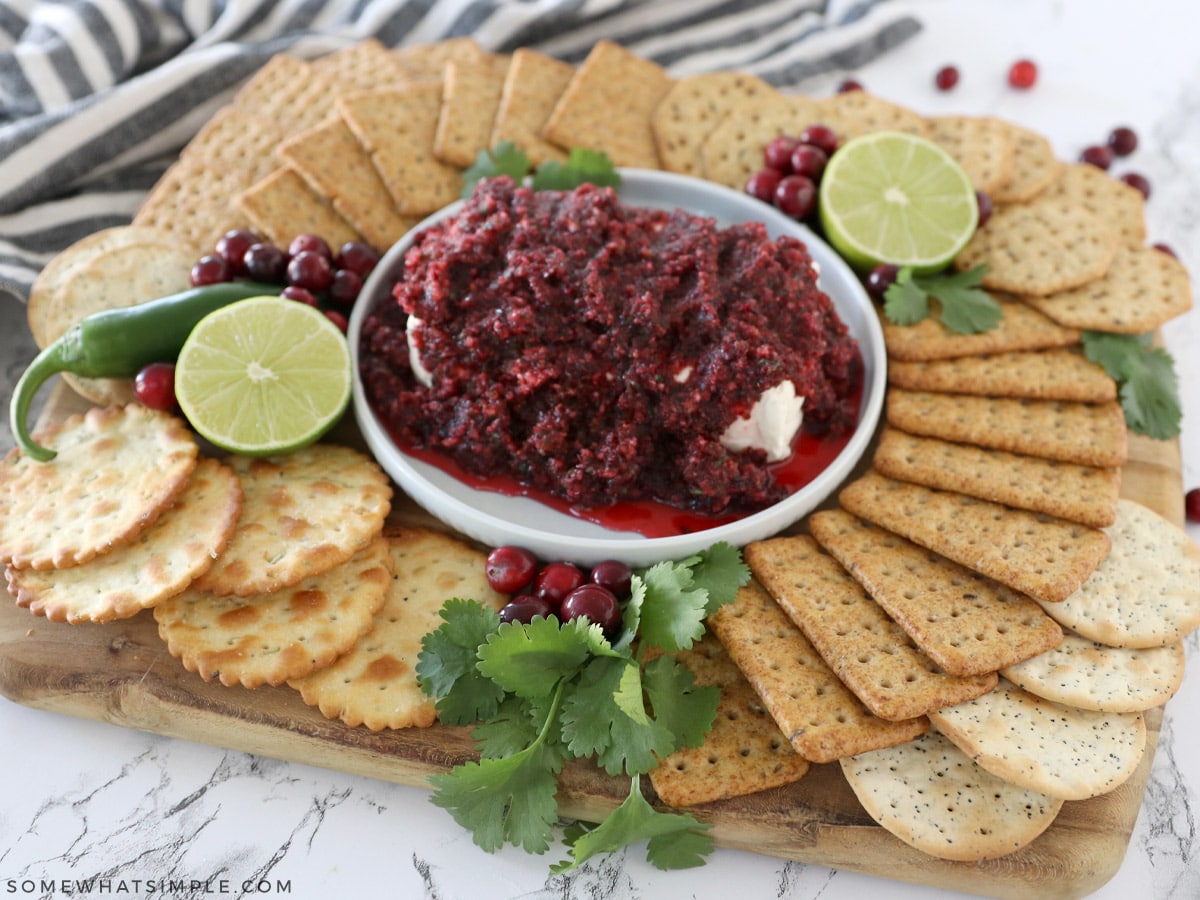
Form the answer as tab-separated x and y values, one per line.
602	353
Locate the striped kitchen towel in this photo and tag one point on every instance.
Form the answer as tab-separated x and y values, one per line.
97	96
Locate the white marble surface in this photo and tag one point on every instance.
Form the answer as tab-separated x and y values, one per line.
86	800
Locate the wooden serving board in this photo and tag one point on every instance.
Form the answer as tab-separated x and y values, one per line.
122	673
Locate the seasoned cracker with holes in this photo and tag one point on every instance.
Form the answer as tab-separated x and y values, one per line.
732	150
1022	328
1035	167
116	470
470	99
1084	186
303	514
1056	374
272	637
980	144
375	683
852	114
282	206
532	86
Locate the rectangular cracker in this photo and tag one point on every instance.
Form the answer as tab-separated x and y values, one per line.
363	65
609	105
871	654
821	718
396	126
1057	374
1084	494
531	89
428	60
1046	558
1090	434
287	92
282	206
470	98
964	622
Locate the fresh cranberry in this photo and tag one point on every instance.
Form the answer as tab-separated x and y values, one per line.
309	269
1167	249
337	319
1023	74
983	201
525	608
509	569
946	78
614	575
809	160
358	257
597	603
880	278
850	84
154	386
232	248
820	136
1191	505
762	184
1098	155
1123	140
777	154
265	262
211	269
299	294
310	243
555	580
345	287
1138	181
796	196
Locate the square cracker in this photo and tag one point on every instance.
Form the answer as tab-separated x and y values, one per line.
732	150
470	98
821	718
362	65
428	60
1054	374
287	92
980	144
608	105
744	752
965	623
531	89
871	654
1046	558
282	205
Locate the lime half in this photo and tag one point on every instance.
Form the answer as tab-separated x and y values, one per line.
264	375
892	197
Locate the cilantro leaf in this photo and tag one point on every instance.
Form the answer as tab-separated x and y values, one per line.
604	714
686	709
631	618
447	666
529	660
590	706
721	572
963	306
582	166
511	729
1148	387
506	158
904	301
672	613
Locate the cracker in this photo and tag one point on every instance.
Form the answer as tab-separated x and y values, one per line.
1069	753
867	650
965	623
1021	328
282	206
821	718
733	150
1084	494
303	514
273	637
1084	186
692	108
980	144
744	752
931	796
362	65
852	114
1055	374
1089	675
1035	167
470	98
608	105
375	683
335	165
158	563
283	92
428	60
1041	556
531	89
1142	289
1090	434
116	470
396	126
1146	593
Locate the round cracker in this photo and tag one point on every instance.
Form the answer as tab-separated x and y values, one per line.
159	563
116	470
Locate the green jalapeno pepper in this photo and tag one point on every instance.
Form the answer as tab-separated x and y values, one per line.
117	343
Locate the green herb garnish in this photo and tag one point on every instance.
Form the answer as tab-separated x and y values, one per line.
544	693
962	305
506	158
1145	376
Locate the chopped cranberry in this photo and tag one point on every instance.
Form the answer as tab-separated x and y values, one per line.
850	84
1138	181
310	243
880	278
1167	249
210	269
299	294
338	319
358	257
1023	74
796	196
809	160
946	78
614	575
597	603
154	386
762	184
525	609
265	262
777	154
820	136
1191	505
1098	155
345	287
555	580
1123	140
983	201
232	248
510	569
309	269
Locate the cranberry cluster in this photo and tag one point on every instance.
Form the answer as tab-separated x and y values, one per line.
558	589
792	170
1121	142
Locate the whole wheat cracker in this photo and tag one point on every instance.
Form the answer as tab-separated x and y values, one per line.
965	623
428	59
1043	557
852	114
361	65
287	92
116	469
282	206
1084	186
732	150
302	514
1035	165
1058	373
819	716
871	654
159	562
470	98
272	637
980	144
532	86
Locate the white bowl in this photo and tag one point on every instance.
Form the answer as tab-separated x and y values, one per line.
497	519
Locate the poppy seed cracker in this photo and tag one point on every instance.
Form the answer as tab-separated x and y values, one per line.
1054	374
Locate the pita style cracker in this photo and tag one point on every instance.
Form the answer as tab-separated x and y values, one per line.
282	206
692	108
67	511
1142	289
1084	186
1041	556
532	86
1084	494
1089	434
1089	675
1069	753
1035	166
819	716
852	114
470	99
965	623
1054	374
732	151
931	796
1146	593
302	514
375	683
273	637
608	106
869	652
980	144
744	752
158	563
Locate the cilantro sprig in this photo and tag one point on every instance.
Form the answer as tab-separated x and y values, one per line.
1145	377
962	305
506	158
540	694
